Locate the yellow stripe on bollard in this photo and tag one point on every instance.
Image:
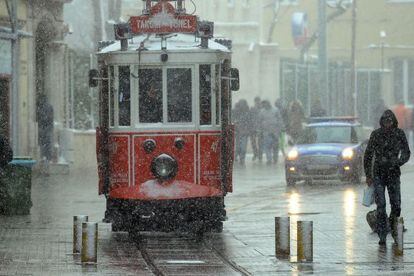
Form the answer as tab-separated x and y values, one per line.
77	232
305	241
89	242
282	237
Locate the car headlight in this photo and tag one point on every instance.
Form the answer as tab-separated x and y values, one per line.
293	154
164	167
348	153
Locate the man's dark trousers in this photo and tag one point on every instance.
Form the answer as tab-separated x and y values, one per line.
394	192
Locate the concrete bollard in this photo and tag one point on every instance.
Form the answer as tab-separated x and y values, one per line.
77	232
400	236
89	242
305	241
282	237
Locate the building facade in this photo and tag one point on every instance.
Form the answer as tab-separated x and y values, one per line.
32	63
272	65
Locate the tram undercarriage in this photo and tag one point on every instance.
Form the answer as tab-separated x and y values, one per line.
181	215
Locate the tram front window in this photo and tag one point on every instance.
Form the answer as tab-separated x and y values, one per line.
124	96
179	95
150	95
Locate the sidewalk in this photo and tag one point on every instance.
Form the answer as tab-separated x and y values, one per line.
41	243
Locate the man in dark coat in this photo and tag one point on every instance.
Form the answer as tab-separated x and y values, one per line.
6	153
45	127
387	151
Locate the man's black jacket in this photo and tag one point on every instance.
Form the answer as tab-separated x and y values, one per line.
388	148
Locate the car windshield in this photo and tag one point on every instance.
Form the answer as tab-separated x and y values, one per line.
327	134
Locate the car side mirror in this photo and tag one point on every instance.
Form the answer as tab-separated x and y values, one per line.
234	79
93	78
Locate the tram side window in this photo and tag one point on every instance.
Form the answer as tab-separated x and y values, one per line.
124	96
150	95
179	95
218	94
111	95
205	95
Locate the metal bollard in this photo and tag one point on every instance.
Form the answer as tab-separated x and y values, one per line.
282	237
77	232
89	242
305	241
400	236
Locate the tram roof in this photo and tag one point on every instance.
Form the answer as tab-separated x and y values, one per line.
176	42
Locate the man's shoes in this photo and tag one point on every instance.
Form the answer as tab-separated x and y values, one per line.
382	241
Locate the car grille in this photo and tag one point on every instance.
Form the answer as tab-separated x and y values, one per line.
319	159
329	171
320	164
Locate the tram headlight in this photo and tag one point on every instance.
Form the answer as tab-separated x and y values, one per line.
149	145
179	143
164	167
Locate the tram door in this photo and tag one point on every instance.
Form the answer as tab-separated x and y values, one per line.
4	106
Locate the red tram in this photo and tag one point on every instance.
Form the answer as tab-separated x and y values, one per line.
165	141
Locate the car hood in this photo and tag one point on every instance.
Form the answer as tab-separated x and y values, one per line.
322	149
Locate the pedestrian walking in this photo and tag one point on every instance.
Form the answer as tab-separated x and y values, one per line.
281	107
256	138
386	152
402	113
271	125
6	153
45	130
296	117
242	123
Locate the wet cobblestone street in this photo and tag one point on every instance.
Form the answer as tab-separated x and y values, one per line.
41	243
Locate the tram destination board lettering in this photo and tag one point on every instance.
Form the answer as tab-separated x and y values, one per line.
172	24
163	19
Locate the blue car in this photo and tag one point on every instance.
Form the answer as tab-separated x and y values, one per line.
329	149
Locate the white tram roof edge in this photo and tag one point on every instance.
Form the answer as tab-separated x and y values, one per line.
177	42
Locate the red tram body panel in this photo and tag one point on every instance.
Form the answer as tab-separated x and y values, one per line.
164	141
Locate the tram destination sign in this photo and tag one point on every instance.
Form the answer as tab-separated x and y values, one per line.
163	19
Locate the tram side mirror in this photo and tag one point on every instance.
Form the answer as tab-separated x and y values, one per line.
235	80
93	78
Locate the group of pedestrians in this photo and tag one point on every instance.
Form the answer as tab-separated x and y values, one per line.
266	126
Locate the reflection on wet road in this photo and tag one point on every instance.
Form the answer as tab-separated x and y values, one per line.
343	241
